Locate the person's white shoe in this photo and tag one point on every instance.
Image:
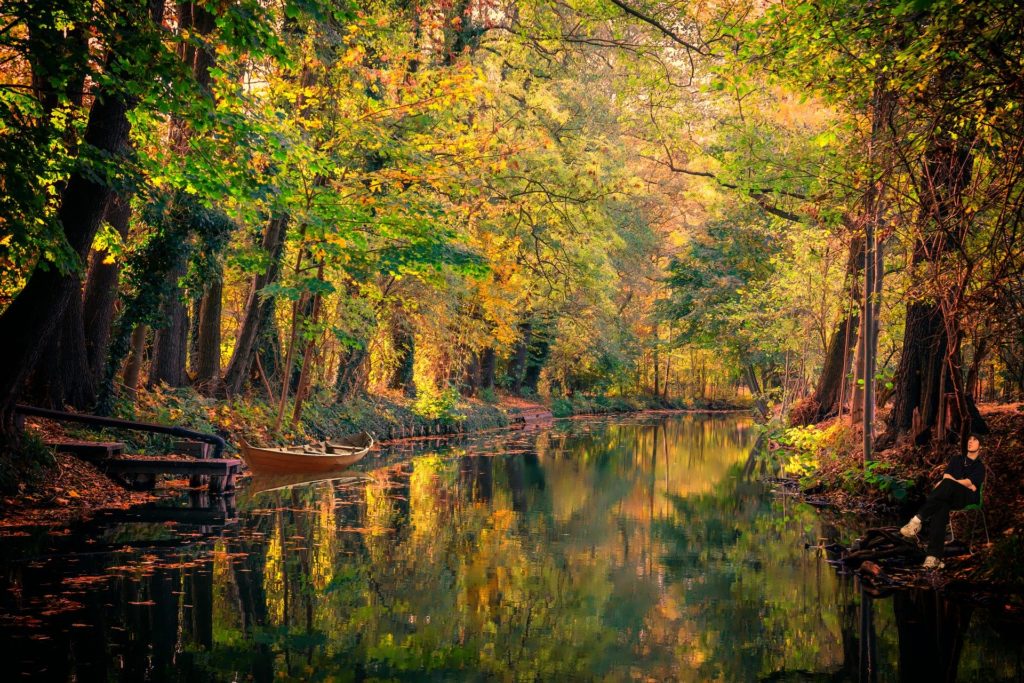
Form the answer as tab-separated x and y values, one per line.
911	528
932	562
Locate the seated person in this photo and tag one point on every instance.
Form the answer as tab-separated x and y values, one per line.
957	489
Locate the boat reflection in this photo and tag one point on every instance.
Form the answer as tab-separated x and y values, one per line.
263	483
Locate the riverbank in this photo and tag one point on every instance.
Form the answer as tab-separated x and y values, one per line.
608	405
63	489
826	462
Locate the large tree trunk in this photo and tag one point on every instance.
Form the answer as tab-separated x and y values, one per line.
101	290
133	367
170	345
207	366
471	374
38	308
258	309
824	402
920	374
36	311
66	378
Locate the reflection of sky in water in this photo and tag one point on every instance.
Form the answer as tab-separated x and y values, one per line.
597	549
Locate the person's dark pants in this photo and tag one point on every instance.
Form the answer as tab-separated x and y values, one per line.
943	499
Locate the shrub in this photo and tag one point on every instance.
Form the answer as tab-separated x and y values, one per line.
439	405
877	475
561	407
803	447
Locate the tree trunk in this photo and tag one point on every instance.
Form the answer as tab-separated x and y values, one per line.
307	305
919	374
487	366
37	310
972	386
207	367
133	368
536	360
825	400
307	354
65	379
101	290
750	376
471	375
924	358
520	355
293	337
258	309
404	343
170	345
657	370
352	373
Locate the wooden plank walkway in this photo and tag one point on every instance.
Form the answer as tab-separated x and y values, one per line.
88	450
141	472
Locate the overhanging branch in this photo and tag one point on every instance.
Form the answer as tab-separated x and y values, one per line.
676	38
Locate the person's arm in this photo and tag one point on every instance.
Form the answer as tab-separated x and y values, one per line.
977	476
954	466
966	483
950	466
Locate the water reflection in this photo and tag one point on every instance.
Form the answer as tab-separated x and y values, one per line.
613	550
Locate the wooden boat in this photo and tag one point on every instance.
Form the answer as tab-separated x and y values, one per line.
325	456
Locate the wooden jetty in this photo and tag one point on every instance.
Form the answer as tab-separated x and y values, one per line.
201	464
140	472
88	450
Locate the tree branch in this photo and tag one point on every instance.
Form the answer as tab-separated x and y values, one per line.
633	12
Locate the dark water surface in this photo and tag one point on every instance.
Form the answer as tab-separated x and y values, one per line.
636	548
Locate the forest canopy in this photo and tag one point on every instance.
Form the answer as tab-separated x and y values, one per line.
794	203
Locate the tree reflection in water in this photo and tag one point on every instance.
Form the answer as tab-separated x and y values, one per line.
622	549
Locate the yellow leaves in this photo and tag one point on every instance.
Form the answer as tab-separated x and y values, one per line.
353	57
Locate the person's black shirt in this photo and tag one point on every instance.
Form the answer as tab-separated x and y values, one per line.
962	467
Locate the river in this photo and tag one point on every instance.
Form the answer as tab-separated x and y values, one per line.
626	548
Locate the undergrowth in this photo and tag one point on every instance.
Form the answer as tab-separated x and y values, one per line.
23	464
828	458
